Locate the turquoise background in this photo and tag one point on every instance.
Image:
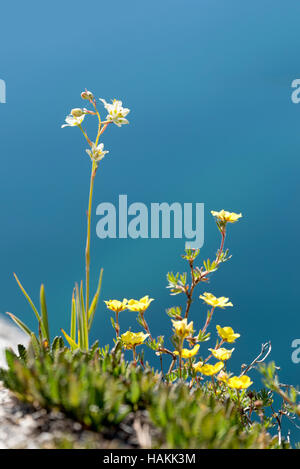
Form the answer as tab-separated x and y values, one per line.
209	88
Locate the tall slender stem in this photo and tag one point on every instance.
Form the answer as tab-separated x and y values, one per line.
88	240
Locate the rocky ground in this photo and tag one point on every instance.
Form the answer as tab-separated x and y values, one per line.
23	426
10	336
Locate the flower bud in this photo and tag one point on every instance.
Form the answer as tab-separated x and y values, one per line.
87	95
77	112
258	404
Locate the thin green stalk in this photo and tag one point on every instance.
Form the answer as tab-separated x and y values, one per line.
88	238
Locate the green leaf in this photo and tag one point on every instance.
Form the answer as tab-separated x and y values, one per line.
203	337
28	298
22	352
80	318
44	315
73	318
35	344
94	303
134	390
10	357
70	341
57	344
20	323
84	319
113	322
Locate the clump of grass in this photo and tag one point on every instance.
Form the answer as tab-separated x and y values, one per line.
100	390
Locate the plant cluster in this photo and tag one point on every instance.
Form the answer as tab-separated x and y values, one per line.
197	402
101	390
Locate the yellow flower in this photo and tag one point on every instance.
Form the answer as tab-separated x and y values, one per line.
187	353
182	328
208	370
221	353
226	217
132	339
197	365
242	382
222	376
116	305
141	305
227	334
210	299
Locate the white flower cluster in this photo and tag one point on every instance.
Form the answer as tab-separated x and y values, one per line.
97	153
116	114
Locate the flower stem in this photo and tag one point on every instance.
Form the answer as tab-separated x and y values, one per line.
117	325
213	385
223	233
134	356
209	316
88	239
180	358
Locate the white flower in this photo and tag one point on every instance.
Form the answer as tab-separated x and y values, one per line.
116	113
97	153
72	121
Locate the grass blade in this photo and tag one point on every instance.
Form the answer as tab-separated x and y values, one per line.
44	315
94	303
80	319
27	298
84	318
73	318
35	344
20	324
71	342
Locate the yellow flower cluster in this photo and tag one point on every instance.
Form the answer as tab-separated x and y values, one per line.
188	353
132	339
242	382
185	330
226	217
221	353
207	369
133	305
211	300
141	305
116	305
227	334
182	329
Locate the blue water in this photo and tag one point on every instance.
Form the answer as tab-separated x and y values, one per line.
209	88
